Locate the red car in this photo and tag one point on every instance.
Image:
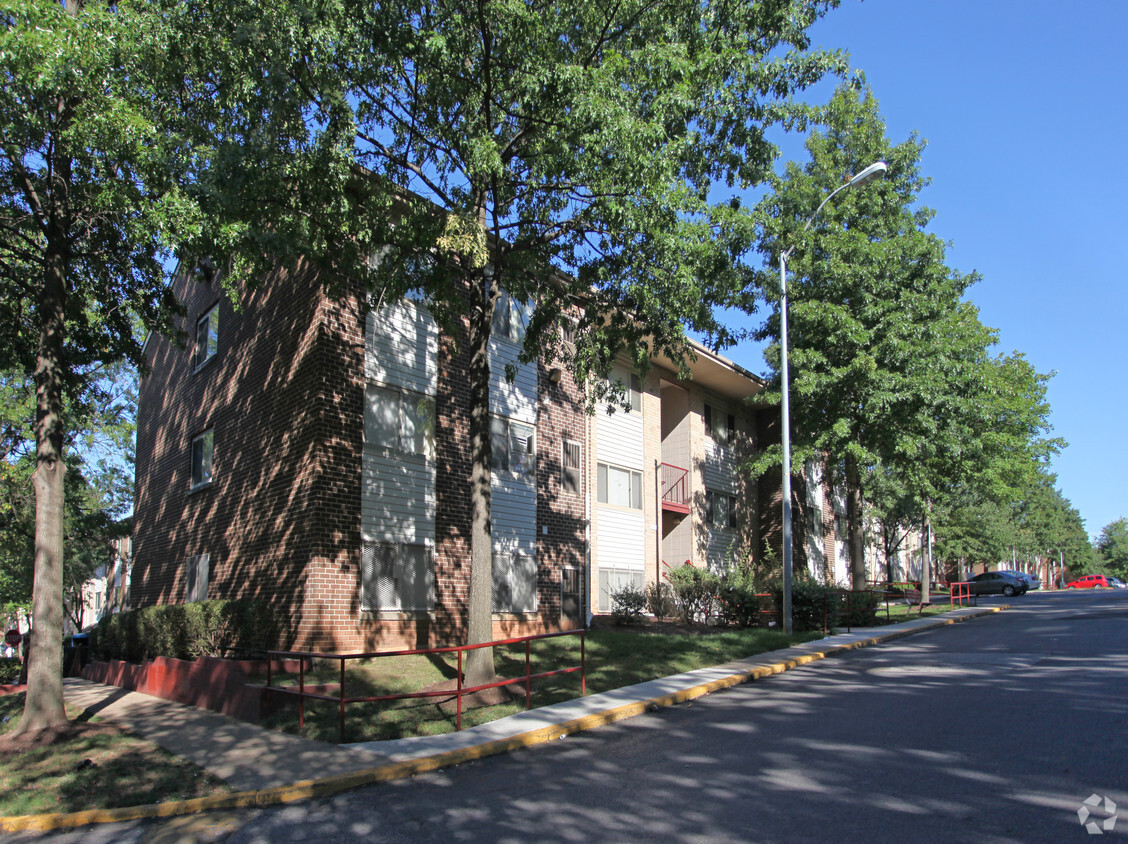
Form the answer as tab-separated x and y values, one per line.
1090	581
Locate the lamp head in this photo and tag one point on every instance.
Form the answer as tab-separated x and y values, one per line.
874	171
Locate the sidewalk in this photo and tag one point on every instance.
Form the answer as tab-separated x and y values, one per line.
268	767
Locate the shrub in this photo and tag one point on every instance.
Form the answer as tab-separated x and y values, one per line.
859	607
9	670
627	604
740	600
660	599
695	590
811	605
186	631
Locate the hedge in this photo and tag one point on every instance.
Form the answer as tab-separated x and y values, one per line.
240	628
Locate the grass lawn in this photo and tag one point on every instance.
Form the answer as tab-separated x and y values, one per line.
89	765
615	658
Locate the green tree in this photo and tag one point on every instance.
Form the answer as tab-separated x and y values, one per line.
1113	547
568	154
879	340
88	202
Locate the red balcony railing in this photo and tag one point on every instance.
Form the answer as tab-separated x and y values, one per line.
675	488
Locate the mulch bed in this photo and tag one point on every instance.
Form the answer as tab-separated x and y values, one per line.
648	624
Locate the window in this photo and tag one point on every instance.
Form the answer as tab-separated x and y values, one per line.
514	581
720	426
613	579
568	336
399	420
631	384
720	509
203	448
397	577
196	578
620	487
511	318
513	447
571	463
207	336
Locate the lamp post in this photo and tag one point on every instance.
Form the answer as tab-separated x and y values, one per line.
874	171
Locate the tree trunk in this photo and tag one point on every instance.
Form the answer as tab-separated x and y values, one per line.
855	538
43	706
480	663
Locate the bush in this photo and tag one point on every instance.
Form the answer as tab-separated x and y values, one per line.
186	631
741	602
695	591
812	604
859	607
627	604
9	670
660	600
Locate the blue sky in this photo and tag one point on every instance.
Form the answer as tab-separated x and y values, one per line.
1023	107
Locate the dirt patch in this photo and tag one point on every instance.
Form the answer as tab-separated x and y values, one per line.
72	731
487	697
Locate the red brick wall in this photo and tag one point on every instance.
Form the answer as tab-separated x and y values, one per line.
284	395
281	519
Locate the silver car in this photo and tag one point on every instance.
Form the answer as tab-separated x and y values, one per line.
1030	580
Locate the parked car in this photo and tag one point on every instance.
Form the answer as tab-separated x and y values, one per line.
1090	581
1030	580
997	583
1117	583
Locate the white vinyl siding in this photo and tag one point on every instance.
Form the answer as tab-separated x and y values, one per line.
721	535
401	347
513	514
516	399
620	551
398	498
721	465
513	517
398	467
619	433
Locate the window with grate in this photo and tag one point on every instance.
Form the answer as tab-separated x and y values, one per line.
196	578
397	576
571	463
514	582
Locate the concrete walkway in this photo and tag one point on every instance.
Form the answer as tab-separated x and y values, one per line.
268	767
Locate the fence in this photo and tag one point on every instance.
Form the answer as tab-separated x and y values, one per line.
341	699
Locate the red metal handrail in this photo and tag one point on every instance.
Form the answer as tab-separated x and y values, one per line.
460	690
675	486
959	591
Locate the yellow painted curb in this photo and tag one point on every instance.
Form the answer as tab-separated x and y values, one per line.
327	786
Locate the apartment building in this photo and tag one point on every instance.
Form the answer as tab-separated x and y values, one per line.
312	450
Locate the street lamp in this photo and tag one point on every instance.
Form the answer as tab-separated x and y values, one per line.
874	171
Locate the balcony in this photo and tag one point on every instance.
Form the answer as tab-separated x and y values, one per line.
675	488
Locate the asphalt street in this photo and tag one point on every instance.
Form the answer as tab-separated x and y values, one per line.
996	730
